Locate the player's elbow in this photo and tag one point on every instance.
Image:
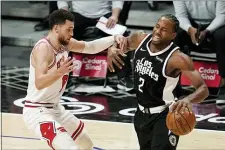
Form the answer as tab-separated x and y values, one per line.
205	91
38	85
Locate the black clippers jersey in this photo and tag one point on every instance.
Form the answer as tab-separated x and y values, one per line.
153	87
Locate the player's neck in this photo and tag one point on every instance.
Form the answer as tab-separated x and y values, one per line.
158	47
54	41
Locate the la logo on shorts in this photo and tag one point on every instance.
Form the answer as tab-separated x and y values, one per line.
173	140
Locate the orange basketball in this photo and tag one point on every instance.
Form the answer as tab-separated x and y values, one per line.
181	124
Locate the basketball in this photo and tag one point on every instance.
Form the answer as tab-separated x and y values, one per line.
181	123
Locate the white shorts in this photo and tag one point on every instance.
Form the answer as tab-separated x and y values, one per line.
46	122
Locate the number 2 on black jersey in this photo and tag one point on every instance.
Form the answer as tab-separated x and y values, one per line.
141	83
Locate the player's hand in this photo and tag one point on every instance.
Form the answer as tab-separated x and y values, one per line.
181	106
122	42
113	57
66	65
112	21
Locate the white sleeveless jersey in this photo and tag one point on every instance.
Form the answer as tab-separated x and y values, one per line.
52	93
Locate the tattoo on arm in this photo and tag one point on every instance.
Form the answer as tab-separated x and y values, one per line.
135	39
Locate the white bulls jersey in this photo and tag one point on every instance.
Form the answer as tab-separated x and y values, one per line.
52	93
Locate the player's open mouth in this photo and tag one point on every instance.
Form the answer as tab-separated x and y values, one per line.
156	38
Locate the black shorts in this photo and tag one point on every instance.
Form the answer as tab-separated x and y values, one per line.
152	131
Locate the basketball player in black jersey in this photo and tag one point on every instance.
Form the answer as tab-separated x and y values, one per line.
158	63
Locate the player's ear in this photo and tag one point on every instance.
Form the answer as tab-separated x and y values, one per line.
174	35
56	28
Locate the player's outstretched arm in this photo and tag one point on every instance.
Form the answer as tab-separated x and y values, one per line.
96	46
182	62
43	57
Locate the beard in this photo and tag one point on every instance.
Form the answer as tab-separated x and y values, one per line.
62	40
156	42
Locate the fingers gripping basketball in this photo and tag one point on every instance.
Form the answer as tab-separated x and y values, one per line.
181	123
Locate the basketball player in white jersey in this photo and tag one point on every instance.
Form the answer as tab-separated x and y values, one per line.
158	63
49	68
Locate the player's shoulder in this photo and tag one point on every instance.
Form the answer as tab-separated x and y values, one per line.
75	44
180	60
140	34
42	48
179	55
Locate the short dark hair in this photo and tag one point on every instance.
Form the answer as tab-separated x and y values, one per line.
174	19
60	16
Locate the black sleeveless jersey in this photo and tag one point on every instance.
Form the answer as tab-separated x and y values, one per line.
153	87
